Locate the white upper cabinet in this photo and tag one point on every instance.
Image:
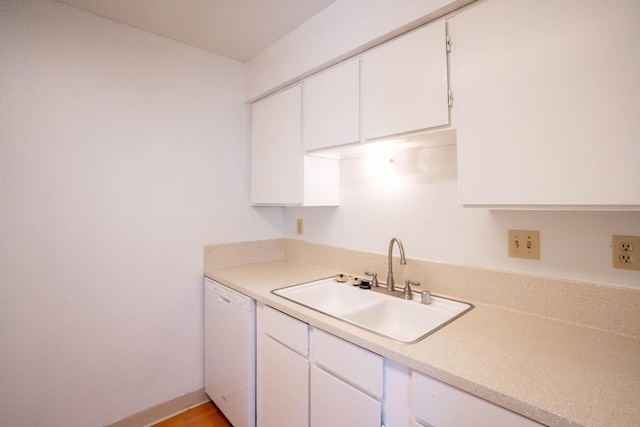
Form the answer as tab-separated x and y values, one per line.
331	107
280	173
404	83
276	160
548	103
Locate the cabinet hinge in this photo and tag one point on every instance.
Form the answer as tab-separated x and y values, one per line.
448	43
450	96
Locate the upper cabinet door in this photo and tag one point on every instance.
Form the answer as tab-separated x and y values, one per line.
280	173
331	107
548	103
276	157
405	86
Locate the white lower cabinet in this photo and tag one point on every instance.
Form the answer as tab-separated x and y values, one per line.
397	412
285	391
356	365
341	385
308	377
282	369
346	383
337	403
441	405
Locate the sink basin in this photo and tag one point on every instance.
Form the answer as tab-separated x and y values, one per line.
327	295
402	320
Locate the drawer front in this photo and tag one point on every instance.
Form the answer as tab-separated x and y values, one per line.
439	404
289	331
348	361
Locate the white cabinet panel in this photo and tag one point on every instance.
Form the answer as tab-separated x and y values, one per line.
441	405
336	403
547	103
282	373
284	386
280	173
355	364
289	331
396	404
405	87
331	107
343	384
276	158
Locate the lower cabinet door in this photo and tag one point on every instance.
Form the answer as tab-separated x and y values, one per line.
441	405
284	390
336	403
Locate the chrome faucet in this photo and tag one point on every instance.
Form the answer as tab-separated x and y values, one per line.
390	281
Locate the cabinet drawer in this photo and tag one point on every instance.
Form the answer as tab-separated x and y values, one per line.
355	364
439	404
287	330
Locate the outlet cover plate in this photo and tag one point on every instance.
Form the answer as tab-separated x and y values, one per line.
625	252
524	244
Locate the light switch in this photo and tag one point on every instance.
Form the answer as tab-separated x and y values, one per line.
524	244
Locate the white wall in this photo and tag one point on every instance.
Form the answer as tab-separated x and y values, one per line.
121	155
418	203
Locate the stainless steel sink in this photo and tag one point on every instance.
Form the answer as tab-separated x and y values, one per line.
378	312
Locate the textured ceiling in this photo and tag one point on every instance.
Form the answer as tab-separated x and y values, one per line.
238	29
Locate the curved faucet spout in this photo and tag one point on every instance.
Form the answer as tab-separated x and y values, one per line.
390	281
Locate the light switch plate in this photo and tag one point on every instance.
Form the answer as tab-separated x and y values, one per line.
524	244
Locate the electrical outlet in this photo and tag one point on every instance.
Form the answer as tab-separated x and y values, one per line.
625	252
299	226
524	244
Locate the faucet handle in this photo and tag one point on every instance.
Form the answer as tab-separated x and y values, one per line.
407	288
374	282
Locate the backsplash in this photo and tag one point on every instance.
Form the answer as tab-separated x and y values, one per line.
230	254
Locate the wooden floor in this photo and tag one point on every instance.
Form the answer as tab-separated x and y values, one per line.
205	415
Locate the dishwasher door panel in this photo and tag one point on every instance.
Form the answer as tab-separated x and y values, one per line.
230	353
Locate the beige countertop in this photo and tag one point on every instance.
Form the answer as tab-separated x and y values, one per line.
555	372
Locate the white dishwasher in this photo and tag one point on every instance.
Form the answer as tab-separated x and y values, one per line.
229	352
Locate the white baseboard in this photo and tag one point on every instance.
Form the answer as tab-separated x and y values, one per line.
165	410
